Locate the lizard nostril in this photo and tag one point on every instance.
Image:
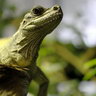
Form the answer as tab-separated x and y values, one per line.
56	8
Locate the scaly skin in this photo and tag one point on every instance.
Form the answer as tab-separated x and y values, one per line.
18	54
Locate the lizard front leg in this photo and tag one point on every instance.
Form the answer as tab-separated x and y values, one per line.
43	82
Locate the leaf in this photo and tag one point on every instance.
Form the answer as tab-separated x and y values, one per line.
90	74
90	64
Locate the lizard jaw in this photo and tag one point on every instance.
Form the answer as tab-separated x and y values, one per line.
47	21
50	17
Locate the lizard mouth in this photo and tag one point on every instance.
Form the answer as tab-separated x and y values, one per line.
51	19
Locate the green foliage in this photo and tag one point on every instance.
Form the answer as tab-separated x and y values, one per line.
91	67
90	63
91	73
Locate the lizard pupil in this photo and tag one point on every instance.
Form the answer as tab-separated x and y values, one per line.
38	10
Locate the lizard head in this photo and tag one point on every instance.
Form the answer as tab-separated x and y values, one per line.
41	20
37	23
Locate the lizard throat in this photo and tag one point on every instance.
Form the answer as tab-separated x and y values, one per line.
30	49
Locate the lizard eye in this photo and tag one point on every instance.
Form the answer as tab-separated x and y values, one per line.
38	10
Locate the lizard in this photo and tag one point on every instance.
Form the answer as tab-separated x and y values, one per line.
18	54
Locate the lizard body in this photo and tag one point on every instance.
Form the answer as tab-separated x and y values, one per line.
18	54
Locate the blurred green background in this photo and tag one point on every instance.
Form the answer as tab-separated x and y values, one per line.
68	55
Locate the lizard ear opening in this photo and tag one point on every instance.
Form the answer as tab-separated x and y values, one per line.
24	22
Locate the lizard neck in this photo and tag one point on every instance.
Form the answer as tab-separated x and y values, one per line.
27	45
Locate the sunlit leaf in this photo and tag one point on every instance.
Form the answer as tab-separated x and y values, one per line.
90	74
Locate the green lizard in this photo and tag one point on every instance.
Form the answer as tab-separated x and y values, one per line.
18	53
